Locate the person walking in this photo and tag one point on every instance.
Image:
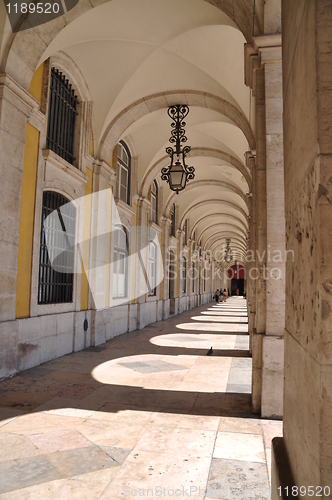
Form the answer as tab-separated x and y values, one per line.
225	294
217	295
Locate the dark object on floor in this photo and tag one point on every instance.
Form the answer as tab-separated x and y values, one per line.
210	352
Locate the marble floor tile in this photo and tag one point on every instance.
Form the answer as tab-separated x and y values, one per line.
188	442
73	489
113	434
162	419
22	400
59	440
24	472
146	410
239	446
15	446
242	425
154	471
80	461
237	479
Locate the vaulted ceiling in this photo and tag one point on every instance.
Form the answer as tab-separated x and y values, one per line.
155	53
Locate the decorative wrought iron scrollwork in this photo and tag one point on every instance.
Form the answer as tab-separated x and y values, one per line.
178	173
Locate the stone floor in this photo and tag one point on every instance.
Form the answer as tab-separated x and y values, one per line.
148	414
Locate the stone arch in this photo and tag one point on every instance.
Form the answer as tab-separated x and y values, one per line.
222	234
197	184
211	202
213	215
163	100
219	224
25	48
154	170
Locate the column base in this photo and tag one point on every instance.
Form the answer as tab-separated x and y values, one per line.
281	474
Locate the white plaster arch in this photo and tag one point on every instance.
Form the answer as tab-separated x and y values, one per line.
23	49
217	202
223	214
154	170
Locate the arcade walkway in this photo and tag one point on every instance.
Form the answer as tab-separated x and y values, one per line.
147	413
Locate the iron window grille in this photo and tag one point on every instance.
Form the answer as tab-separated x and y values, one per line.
61	116
120	262
194	242
154	203
184	275
123	172
186	232
58	240
204	280
193	272
152	269
172	214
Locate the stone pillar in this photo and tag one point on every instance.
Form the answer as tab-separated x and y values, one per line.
264	75
143	207
15	106
251	255
103	176
307	93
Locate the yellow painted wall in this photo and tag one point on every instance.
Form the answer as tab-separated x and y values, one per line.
86	242
27	215
108	248
92	149
37	83
133	252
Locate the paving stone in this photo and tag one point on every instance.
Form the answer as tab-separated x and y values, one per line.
23	472
229	479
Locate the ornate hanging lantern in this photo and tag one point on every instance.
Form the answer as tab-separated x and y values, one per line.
228	254
178	173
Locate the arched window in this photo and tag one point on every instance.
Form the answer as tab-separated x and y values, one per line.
185	227
120	262
152	268
154	203
193	273
61	116
57	243
184	275
123	172
172	216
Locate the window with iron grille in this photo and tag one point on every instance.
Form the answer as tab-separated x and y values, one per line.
204	280
193	275
154	203
61	116
57	243
186	232
120	262
172	214
184	275
194	242
123	173
152	268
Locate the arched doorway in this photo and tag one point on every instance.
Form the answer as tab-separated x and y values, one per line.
237	275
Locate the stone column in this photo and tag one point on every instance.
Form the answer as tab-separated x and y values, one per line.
16	106
143	207
264	75
251	255
103	176
307	92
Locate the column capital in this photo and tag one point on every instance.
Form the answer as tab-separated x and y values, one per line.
17	95
264	49
143	203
